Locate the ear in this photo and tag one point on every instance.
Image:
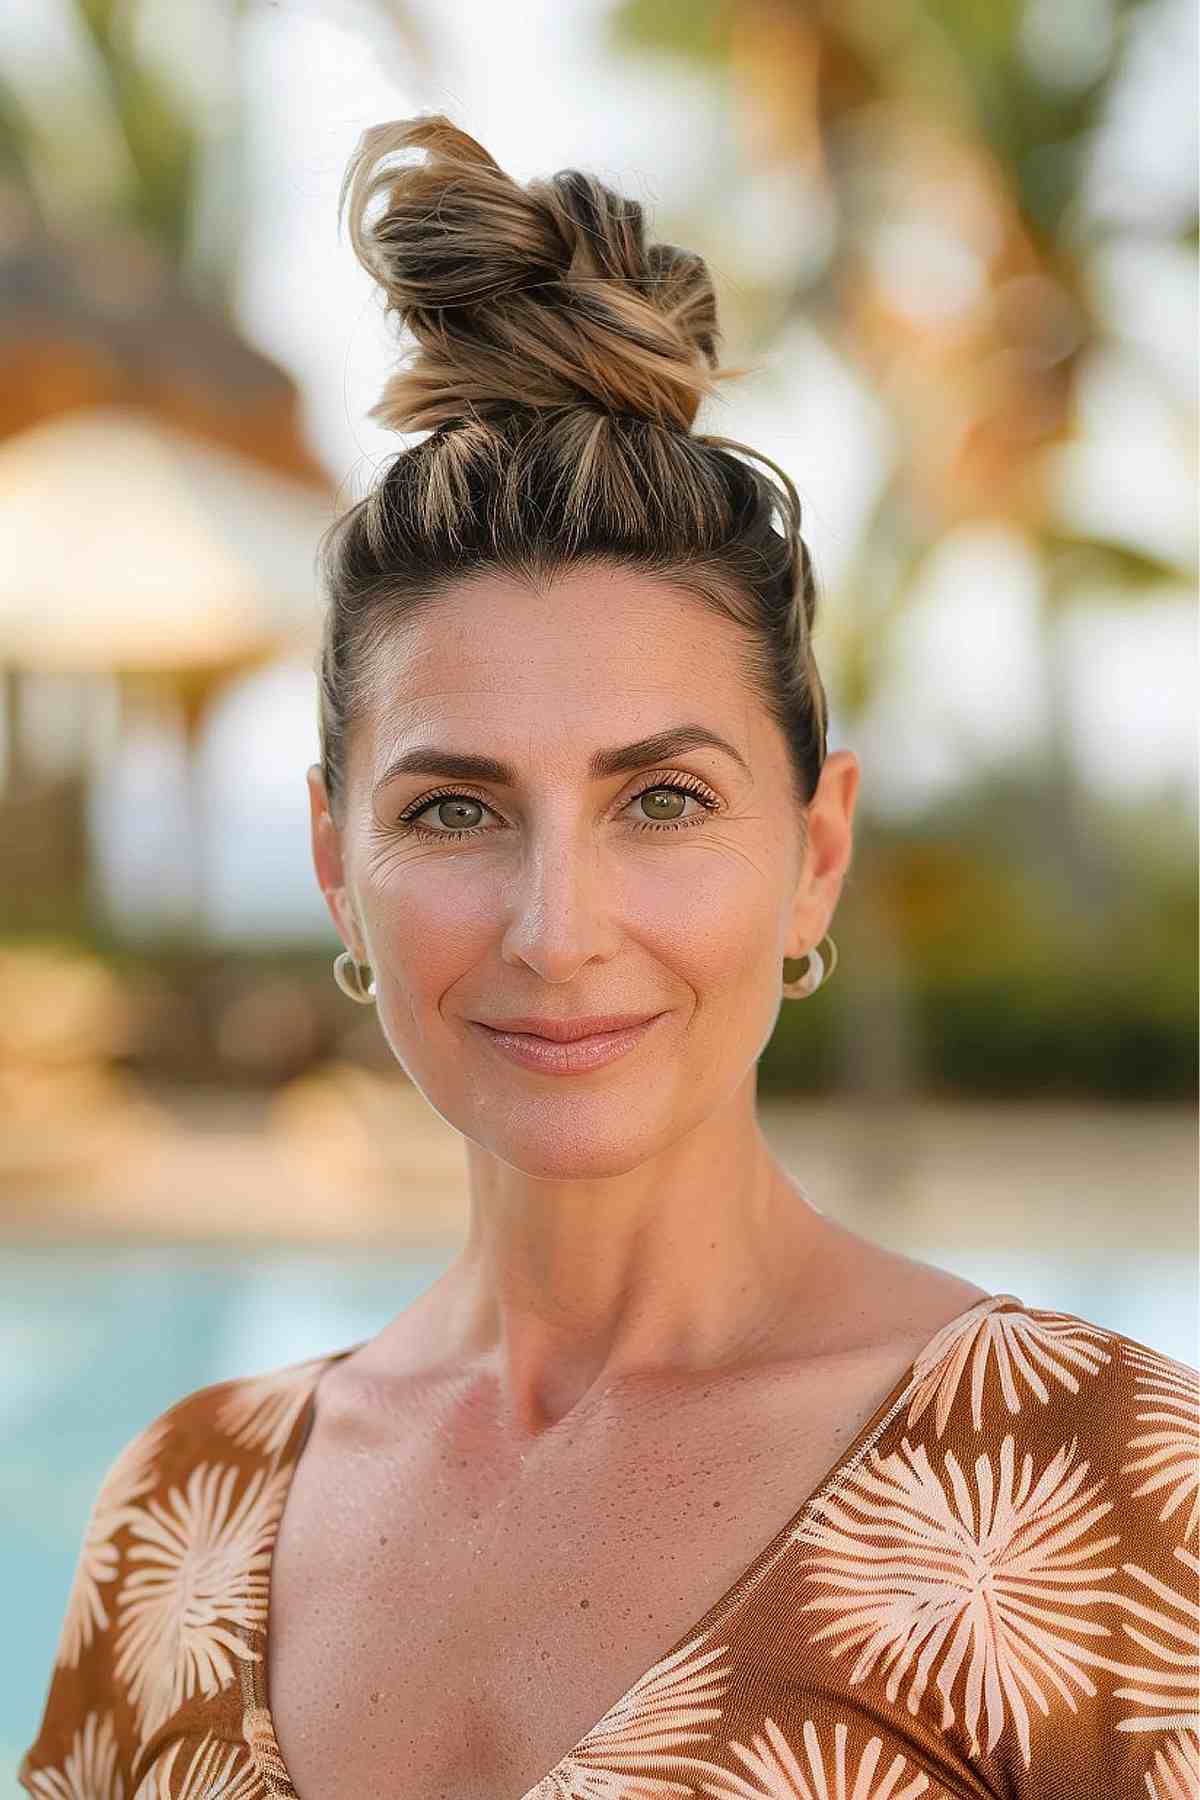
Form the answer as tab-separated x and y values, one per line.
827	853
327	861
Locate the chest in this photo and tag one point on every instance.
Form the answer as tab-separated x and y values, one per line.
449	1622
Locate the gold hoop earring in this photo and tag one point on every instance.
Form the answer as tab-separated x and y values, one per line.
354	978
816	972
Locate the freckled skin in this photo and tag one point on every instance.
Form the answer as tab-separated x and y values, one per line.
652	1345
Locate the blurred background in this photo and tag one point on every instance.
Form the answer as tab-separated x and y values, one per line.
958	242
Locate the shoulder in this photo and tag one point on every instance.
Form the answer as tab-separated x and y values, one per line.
192	1497
248	1417
1042	1372
1037	1503
1045	1388
242	1424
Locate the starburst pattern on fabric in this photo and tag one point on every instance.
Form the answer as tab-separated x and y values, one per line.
216	1771
1167	1685
259	1412
131	1476
1017	1341
672	1704
1175	1774
776	1774
186	1615
90	1770
1168	1399
908	1564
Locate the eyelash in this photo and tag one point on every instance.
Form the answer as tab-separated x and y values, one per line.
684	785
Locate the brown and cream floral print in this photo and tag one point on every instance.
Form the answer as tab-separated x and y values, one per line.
994	1592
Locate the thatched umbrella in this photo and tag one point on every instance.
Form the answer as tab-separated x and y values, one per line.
133	549
106	319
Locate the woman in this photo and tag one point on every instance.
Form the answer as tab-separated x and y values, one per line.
671	1485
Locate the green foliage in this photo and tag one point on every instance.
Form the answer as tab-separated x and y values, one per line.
153	118
697	30
805	1052
16	132
1078	1037
1039	128
1077	565
1011	982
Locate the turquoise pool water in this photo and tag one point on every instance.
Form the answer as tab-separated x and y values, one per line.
97	1342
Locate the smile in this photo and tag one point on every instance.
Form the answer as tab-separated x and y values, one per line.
575	1058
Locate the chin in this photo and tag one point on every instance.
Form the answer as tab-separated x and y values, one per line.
563	1157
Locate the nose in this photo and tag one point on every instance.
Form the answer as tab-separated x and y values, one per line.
561	908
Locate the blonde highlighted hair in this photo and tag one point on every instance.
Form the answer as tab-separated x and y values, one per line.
559	364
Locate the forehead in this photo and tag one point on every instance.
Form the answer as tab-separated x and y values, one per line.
597	656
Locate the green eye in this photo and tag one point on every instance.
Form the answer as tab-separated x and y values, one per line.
707	801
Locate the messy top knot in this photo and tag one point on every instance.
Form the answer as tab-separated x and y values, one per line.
539	296
559	365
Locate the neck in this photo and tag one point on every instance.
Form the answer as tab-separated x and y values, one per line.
687	1263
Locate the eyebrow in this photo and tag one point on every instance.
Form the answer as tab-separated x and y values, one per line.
663	746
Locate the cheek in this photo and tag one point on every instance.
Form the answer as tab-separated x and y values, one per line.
725	949
725	920
427	932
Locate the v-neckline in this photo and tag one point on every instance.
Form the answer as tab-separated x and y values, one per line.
263	1743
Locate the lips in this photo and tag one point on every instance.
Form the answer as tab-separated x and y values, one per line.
569	1056
568	1031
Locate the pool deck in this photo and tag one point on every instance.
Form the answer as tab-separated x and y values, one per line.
347	1157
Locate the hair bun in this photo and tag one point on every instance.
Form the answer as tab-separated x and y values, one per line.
542	296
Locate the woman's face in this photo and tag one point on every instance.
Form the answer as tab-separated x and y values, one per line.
566	891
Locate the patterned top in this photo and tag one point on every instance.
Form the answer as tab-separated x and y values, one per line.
993	1592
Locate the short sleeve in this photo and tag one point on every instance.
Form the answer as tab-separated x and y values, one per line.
169	1598
1033	1595
86	1738
1097	1592
1151	1701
